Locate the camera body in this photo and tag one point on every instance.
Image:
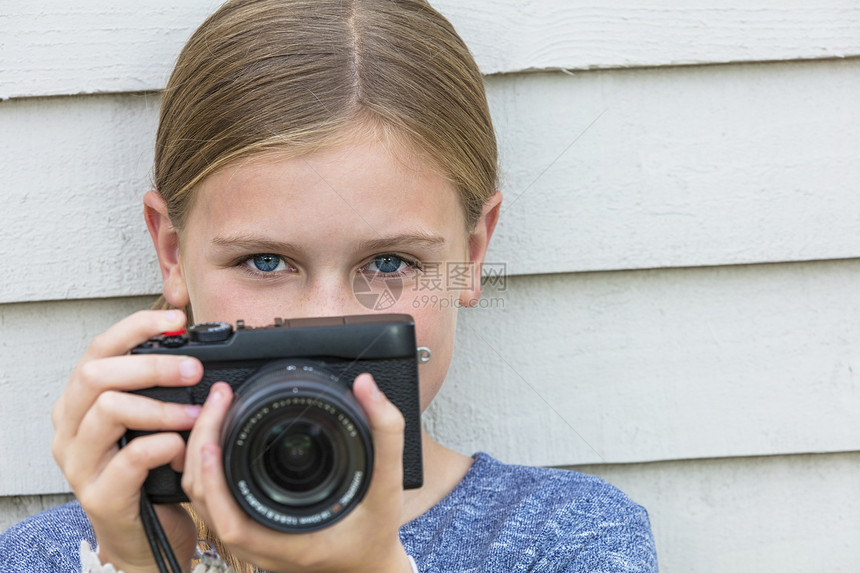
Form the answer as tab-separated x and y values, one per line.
297	448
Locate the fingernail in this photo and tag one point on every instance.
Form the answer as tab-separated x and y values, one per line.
188	368
193	411
214	396
375	393
172	316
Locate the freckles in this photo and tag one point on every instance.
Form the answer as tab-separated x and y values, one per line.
225	304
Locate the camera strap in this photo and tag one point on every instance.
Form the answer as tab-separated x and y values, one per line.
158	541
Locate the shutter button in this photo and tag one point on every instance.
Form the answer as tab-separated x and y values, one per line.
173	338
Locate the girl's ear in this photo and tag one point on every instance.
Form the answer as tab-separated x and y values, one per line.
479	240
165	238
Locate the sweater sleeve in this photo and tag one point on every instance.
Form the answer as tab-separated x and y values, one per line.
47	542
618	539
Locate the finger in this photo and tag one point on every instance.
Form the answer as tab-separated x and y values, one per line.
206	431
120	373
204	481
219	507
119	339
386	426
115	493
133	330
109	419
141	371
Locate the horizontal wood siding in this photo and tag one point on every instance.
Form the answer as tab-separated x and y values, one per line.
40	345
607	170
679	242
655	365
575	368
55	47
792	514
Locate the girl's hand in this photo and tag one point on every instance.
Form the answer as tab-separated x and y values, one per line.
366	540
92	415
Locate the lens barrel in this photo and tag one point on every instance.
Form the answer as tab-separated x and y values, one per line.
297	447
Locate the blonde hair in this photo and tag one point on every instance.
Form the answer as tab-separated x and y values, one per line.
294	76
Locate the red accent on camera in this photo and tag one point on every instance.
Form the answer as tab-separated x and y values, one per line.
179	332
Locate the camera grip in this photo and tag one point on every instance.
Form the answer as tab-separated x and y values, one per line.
163	485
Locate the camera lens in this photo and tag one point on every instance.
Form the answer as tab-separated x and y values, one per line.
297	447
299	462
299	458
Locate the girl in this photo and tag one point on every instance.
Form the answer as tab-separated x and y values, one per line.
302	144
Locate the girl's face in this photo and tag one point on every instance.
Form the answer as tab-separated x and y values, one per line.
327	234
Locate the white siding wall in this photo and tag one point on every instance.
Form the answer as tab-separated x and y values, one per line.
683	243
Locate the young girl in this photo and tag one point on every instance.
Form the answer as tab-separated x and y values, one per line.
302	144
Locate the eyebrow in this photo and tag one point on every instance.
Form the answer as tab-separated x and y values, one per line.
247	242
251	243
418	239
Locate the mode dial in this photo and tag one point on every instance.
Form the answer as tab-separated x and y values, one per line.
210	332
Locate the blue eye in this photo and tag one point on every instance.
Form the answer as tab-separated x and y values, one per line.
387	264
267	263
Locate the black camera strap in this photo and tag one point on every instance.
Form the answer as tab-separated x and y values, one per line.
158	541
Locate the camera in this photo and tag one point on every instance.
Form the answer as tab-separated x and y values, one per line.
297	447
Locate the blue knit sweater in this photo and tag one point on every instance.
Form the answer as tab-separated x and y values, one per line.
500	518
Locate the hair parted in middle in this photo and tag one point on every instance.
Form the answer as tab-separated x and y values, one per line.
294	76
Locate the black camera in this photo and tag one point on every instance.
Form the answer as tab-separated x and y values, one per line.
297	448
